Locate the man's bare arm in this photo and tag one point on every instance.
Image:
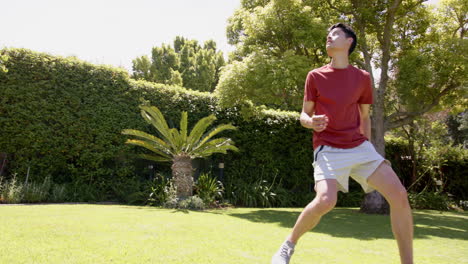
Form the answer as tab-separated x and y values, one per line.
365	128
311	121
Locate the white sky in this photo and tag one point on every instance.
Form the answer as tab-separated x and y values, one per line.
112	31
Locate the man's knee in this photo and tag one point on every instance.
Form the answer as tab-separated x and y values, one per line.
326	202
398	196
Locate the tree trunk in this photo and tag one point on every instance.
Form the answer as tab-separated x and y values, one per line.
374	202
182	176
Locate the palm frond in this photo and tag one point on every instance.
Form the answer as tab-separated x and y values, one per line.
213	133
198	130
211	150
183	126
153	116
147	137
178	143
154	158
213	145
148	145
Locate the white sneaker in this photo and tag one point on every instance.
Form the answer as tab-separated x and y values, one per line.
283	255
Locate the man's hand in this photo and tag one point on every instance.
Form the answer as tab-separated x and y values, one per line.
317	122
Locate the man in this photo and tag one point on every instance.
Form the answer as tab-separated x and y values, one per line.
337	97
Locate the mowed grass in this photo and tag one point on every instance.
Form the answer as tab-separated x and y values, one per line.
84	233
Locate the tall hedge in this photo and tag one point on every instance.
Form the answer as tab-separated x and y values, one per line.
62	117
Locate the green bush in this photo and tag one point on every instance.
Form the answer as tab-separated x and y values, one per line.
209	189
62	117
36	192
192	202
430	200
351	199
160	190
437	162
58	193
11	191
257	193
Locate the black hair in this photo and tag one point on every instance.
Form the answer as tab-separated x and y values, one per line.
349	32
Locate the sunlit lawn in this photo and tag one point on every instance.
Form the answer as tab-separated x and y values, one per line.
128	234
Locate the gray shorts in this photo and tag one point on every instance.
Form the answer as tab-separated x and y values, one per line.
337	163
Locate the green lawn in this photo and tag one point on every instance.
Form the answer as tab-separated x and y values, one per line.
129	234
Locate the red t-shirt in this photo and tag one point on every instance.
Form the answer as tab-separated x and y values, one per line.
338	93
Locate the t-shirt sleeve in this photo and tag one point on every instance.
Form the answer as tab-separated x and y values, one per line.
310	90
366	96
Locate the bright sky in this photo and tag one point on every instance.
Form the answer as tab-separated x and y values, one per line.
112	31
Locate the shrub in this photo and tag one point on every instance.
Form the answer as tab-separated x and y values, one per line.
351	199
11	191
63	117
58	193
170	192
251	194
192	202
430	200
54	118
160	190
209	189
36	192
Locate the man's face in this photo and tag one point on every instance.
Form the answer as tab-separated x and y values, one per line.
337	41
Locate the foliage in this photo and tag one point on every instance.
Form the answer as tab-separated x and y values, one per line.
457	126
426	161
3	59
10	191
277	43
209	189
62	117
54	119
448	166
430	200
419	53
173	142
170	193
275	81
13	191
351	199
179	146
35	193
186	64
257	193
192	202
58	193
160	190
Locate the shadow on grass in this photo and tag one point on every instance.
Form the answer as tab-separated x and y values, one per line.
348	222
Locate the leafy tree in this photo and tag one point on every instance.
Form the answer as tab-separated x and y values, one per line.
277	42
422	68
416	56
179	146
185	64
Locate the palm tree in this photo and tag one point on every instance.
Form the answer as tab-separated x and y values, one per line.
179	148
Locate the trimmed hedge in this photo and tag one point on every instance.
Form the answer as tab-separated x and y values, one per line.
62	117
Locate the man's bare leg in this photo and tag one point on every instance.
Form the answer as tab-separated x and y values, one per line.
386	182
324	201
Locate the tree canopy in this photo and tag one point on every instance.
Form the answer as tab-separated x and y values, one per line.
186	64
